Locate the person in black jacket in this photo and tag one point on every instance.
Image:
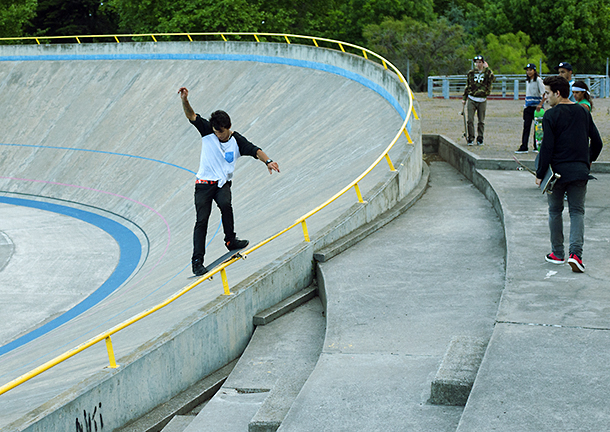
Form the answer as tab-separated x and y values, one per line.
565	147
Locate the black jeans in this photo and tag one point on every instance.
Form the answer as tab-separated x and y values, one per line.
204	195
528	118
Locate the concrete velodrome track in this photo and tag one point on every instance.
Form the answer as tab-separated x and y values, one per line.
97	166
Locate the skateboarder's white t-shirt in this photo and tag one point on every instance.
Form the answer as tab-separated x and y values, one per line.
217	161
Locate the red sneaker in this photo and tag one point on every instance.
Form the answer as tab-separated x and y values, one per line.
553	259
576	263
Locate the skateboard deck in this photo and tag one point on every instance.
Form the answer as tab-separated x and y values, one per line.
549	180
538	132
223	259
465	125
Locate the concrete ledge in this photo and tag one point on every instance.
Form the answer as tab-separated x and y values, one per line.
457	372
285	306
158	418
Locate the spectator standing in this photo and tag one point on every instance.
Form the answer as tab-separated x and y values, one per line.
565	70
478	87
582	95
534	101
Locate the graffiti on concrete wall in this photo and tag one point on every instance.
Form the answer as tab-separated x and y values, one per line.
91	421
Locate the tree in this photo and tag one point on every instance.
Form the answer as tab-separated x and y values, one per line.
147	16
566	30
72	17
433	49
15	15
509	53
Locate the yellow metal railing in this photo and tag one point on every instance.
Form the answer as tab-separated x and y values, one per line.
106	336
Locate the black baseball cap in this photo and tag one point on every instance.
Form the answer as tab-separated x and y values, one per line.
564	65
530	66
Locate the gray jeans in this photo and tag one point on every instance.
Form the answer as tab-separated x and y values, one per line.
576	190
479	107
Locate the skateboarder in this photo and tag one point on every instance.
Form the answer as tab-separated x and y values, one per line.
565	146
220	148
478	87
534	101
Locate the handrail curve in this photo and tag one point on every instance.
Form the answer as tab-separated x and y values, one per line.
106	335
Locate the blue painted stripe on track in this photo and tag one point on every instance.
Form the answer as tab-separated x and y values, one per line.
226	57
130	254
101	152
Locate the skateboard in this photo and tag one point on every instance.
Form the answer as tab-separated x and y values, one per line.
465	135
223	259
549	180
538	133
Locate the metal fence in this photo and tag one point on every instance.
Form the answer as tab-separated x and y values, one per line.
508	86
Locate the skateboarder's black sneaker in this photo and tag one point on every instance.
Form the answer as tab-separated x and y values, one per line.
198	268
576	263
236	244
479	142
553	259
521	150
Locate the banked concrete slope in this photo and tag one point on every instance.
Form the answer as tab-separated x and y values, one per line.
101	128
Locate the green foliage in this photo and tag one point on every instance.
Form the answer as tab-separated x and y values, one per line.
72	17
14	16
432	49
146	16
565	30
509	53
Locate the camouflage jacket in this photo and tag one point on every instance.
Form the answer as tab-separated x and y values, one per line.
478	84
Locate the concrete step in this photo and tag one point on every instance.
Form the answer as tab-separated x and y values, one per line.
185	403
178	423
458	370
269	375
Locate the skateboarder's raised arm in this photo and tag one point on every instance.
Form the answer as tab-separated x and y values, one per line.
186	106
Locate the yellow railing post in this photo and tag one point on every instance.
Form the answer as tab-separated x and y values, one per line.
190	38
153	36
315	42
256	37
358	193
287	40
407	135
225	281
113	364
77	39
223	37
387	157
116	39
37	41
305	232
364	53
341	46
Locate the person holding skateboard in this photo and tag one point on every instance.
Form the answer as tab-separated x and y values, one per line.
478	87
565	146
534	101
220	149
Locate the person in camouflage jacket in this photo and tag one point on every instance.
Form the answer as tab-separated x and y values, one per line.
478	87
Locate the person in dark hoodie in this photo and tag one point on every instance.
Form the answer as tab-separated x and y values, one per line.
571	143
478	87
